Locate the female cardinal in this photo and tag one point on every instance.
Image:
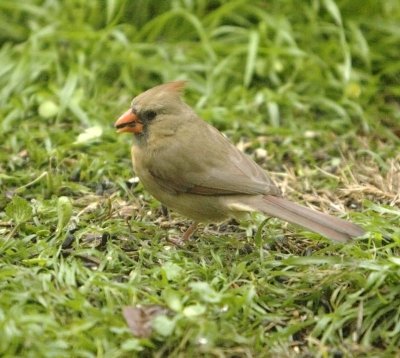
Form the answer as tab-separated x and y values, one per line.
192	168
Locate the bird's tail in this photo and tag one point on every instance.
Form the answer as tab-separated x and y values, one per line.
326	225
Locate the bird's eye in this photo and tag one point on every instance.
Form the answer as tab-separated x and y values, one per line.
148	115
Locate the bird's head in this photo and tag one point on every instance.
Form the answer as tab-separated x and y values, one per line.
151	105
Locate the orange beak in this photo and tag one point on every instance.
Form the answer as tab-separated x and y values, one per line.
129	122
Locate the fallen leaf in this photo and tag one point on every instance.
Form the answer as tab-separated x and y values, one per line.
140	318
89	134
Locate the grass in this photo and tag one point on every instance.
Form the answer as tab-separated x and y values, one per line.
314	85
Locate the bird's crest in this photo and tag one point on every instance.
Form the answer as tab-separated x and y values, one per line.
158	94
172	87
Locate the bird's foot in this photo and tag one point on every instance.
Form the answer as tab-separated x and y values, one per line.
181	241
177	241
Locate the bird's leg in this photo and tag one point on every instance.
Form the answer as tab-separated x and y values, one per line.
165	212
185	237
189	232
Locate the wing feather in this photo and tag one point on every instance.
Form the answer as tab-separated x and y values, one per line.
213	167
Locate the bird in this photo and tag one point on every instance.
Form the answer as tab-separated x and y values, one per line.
192	168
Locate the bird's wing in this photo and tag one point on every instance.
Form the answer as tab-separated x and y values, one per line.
204	162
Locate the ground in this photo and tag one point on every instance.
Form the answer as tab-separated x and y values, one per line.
310	90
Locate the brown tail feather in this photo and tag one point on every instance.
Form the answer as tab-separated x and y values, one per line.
326	225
